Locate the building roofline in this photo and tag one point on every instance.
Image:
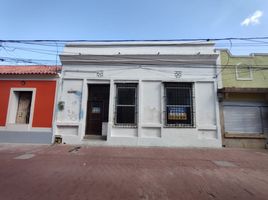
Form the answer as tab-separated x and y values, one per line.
30	69
241	56
139	43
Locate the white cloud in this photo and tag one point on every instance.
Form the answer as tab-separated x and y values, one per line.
253	19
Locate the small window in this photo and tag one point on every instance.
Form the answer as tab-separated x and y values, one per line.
243	72
179	105
126	104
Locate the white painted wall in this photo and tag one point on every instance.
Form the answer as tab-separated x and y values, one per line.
71	95
150	130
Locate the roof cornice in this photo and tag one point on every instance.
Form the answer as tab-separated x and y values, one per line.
138	43
201	59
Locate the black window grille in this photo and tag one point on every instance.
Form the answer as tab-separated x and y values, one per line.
179	108
126	105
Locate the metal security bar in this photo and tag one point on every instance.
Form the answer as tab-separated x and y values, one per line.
179	108
126	105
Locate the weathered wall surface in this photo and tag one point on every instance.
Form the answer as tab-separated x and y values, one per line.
150	65
44	100
71	96
260	76
150	130
243	113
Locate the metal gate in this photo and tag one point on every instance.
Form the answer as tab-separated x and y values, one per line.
245	118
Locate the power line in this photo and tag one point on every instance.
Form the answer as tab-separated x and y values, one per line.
158	40
52	44
169	63
165	72
179	62
38	50
140	59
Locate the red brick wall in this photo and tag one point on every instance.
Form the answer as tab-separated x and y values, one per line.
44	100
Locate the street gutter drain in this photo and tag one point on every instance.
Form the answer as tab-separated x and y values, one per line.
25	156
75	149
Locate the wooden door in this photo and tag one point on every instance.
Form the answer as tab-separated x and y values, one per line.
94	122
97	108
24	108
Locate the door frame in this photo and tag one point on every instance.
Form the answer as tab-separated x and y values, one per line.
86	96
12	110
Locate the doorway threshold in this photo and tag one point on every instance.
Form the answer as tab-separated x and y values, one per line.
95	137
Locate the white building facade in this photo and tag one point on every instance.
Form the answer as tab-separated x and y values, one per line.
139	93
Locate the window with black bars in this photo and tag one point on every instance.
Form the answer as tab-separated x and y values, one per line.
126	105
179	107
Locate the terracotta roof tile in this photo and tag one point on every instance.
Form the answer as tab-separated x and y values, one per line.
29	69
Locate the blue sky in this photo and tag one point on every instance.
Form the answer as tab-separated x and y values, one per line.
134	20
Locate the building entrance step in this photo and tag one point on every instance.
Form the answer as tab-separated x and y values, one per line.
95	137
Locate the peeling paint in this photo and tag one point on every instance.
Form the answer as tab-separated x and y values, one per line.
81	114
150	109
72	97
71	115
78	93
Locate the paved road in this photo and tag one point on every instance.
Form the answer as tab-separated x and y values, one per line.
37	172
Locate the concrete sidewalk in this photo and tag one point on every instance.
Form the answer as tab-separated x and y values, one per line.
70	172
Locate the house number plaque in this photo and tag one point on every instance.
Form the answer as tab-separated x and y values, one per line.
178	74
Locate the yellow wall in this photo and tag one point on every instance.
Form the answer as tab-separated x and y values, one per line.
260	76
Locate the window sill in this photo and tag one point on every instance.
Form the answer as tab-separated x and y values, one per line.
124	126
178	126
151	125
245	136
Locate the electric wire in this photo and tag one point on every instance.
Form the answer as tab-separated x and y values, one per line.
159	40
250	42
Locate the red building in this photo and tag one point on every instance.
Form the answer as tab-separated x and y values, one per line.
27	103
